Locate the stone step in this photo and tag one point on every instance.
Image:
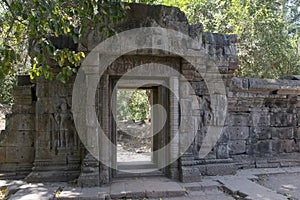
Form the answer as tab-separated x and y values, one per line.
204	185
248	189
13	175
135	165
130	188
132	173
137	189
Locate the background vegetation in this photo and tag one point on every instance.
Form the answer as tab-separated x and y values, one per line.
133	105
269	33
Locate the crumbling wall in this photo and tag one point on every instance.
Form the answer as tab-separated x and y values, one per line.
261	127
58	150
264	121
18	139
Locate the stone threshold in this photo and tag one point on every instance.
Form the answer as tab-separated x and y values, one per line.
133	188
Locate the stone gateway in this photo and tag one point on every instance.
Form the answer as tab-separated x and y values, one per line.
261	128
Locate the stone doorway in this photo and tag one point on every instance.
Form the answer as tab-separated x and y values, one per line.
137	140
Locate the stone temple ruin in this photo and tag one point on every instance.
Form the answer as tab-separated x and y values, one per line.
261	129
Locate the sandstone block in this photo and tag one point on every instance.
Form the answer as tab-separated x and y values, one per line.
264	147
261	133
238	119
287	146
282	119
283	133
237	147
237	133
221	169
222	151
260	118
23	122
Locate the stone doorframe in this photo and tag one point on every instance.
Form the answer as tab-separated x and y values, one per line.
104	96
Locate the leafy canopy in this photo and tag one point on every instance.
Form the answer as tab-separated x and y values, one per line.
29	27
269	37
269	31
133	104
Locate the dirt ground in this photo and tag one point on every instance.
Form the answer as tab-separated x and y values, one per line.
134	141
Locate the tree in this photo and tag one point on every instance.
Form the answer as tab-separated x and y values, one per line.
267	49
268	31
34	25
132	105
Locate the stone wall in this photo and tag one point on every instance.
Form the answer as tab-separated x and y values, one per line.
264	116
17	141
261	127
58	150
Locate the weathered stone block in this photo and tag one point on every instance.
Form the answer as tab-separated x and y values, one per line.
237	147
60	89
23	109
289	163
3	154
200	88
23	122
238	119
275	145
260	118
224	138
261	133
266	164
43	153
264	147
283	133
25	139
26	154
297	135
282	119
42	89
42	123
23	101
239	84
22	91
46	105
287	146
220	169
237	133
222	151
192	173
244	161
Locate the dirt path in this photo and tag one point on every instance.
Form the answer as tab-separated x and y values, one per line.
133	142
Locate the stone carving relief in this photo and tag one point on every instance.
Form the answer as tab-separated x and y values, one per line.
205	119
61	129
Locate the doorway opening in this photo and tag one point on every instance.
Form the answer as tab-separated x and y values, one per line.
134	130
140	128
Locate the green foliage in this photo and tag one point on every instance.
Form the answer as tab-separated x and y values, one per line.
132	105
266	47
6	87
269	31
32	23
27	29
